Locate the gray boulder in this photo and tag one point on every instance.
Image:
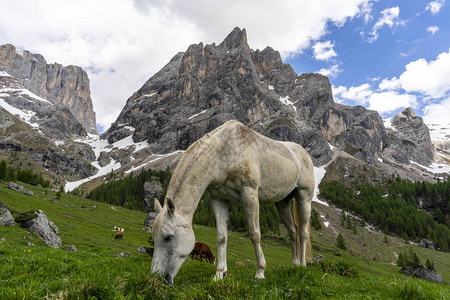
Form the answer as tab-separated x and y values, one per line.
16	187
45	229
150	218
6	219
144	249
427	244
422	272
71	248
150	189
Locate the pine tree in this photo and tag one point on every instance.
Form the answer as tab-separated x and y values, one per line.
343	218
3	170
340	242
401	261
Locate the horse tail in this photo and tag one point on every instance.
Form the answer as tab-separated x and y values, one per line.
308	252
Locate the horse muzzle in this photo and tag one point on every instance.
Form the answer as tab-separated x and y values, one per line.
169	279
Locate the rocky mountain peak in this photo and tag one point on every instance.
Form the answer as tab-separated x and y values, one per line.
207	85
63	86
236	39
407	114
411	139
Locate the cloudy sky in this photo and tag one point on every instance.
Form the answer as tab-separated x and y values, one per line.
384	55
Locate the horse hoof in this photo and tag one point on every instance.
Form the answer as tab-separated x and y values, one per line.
260	276
220	275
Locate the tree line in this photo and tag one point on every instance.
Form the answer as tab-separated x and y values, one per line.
393	206
9	173
129	192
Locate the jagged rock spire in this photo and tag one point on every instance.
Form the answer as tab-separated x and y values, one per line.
235	39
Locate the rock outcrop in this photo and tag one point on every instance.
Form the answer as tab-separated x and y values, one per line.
62	86
422	272
6	219
410	139
45	229
207	85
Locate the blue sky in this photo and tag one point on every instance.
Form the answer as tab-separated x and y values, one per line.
361	56
384	55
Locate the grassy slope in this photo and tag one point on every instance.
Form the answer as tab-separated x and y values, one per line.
95	270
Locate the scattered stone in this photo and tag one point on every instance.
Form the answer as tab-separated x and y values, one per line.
15	186
127	254
18	188
378	254
315	261
71	248
144	249
2	240
147	229
239	263
30	244
427	244
150	218
6	219
422	272
53	201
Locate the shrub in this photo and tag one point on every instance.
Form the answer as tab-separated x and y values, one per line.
25	217
340	267
315	223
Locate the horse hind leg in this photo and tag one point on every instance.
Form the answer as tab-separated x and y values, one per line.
284	211
303	199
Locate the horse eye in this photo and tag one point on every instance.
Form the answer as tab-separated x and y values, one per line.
168	238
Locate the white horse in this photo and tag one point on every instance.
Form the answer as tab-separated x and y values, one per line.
234	163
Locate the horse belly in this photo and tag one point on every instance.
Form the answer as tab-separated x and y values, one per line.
277	180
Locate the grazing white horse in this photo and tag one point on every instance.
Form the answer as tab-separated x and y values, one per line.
233	162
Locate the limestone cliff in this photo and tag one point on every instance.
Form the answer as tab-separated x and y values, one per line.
62	86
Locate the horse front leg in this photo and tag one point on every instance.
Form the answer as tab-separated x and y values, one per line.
221	213
249	198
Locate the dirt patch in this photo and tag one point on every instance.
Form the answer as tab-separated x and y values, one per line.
69	216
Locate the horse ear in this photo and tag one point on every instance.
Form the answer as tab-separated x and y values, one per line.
170	206
157	205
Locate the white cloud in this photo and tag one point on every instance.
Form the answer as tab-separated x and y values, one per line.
324	50
435	6
386	102
390	84
430	78
333	71
389	17
122	43
433	29
383	102
359	94
437	113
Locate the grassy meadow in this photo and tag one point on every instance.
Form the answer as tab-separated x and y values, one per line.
96	271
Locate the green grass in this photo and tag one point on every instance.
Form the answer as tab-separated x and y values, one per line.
96	272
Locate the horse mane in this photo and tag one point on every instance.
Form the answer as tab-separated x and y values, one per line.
193	152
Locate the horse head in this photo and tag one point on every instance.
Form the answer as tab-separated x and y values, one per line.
173	240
